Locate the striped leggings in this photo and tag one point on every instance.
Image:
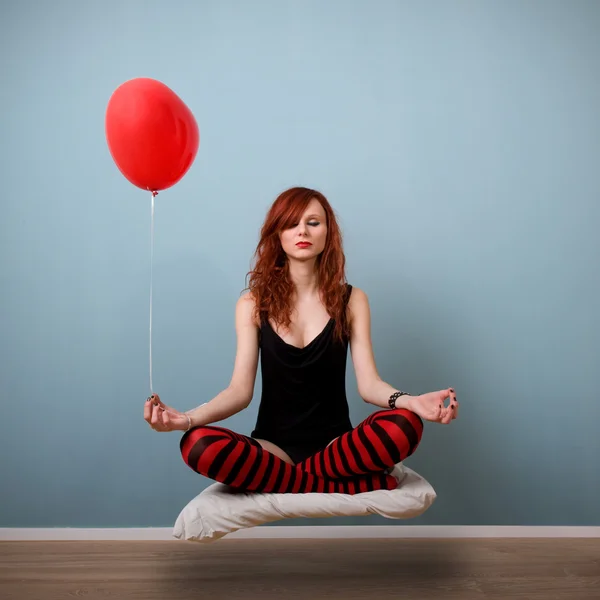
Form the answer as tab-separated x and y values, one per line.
355	462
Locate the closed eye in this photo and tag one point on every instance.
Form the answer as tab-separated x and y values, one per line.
310	224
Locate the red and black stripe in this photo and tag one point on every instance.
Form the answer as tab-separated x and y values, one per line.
241	462
382	440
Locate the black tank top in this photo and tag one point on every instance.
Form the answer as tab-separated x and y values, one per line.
303	389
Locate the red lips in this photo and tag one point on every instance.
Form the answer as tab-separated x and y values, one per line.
303	244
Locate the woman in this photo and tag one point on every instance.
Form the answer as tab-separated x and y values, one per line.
301	315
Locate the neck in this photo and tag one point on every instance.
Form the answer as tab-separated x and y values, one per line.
304	277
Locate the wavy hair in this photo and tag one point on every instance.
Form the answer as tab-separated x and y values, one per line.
269	281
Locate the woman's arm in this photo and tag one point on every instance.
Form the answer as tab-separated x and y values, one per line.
371	387
238	394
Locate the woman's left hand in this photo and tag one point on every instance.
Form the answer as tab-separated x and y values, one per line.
430	407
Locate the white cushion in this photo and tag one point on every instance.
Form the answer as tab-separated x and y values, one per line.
219	510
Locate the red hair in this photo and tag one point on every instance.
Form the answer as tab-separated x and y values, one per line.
269	281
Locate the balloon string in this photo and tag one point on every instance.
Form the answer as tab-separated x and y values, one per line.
153	194
151	286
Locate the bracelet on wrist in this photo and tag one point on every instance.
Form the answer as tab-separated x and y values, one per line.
394	397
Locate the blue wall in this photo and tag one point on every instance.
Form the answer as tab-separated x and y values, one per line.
459	143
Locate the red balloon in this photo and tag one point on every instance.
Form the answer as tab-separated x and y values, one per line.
152	135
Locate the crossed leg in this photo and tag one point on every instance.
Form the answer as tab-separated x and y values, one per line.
241	462
355	462
382	440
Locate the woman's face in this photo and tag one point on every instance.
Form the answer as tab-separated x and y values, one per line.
306	239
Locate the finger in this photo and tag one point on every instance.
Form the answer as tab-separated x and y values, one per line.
450	416
163	419
456	405
155	398
453	403
444	395
155	419
441	409
147	410
158	427
441	413
452	411
448	411
166	420
444	414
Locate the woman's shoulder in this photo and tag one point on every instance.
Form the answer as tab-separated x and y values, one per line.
358	304
246	298
245	308
356	295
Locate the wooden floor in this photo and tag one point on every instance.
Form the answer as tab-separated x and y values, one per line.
543	569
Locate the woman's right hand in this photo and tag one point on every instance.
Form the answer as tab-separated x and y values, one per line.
164	418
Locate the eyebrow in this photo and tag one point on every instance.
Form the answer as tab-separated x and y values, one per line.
315	216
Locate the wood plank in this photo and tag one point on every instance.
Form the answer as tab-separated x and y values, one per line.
548	569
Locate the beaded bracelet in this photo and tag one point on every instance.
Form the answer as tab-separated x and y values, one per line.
394	397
